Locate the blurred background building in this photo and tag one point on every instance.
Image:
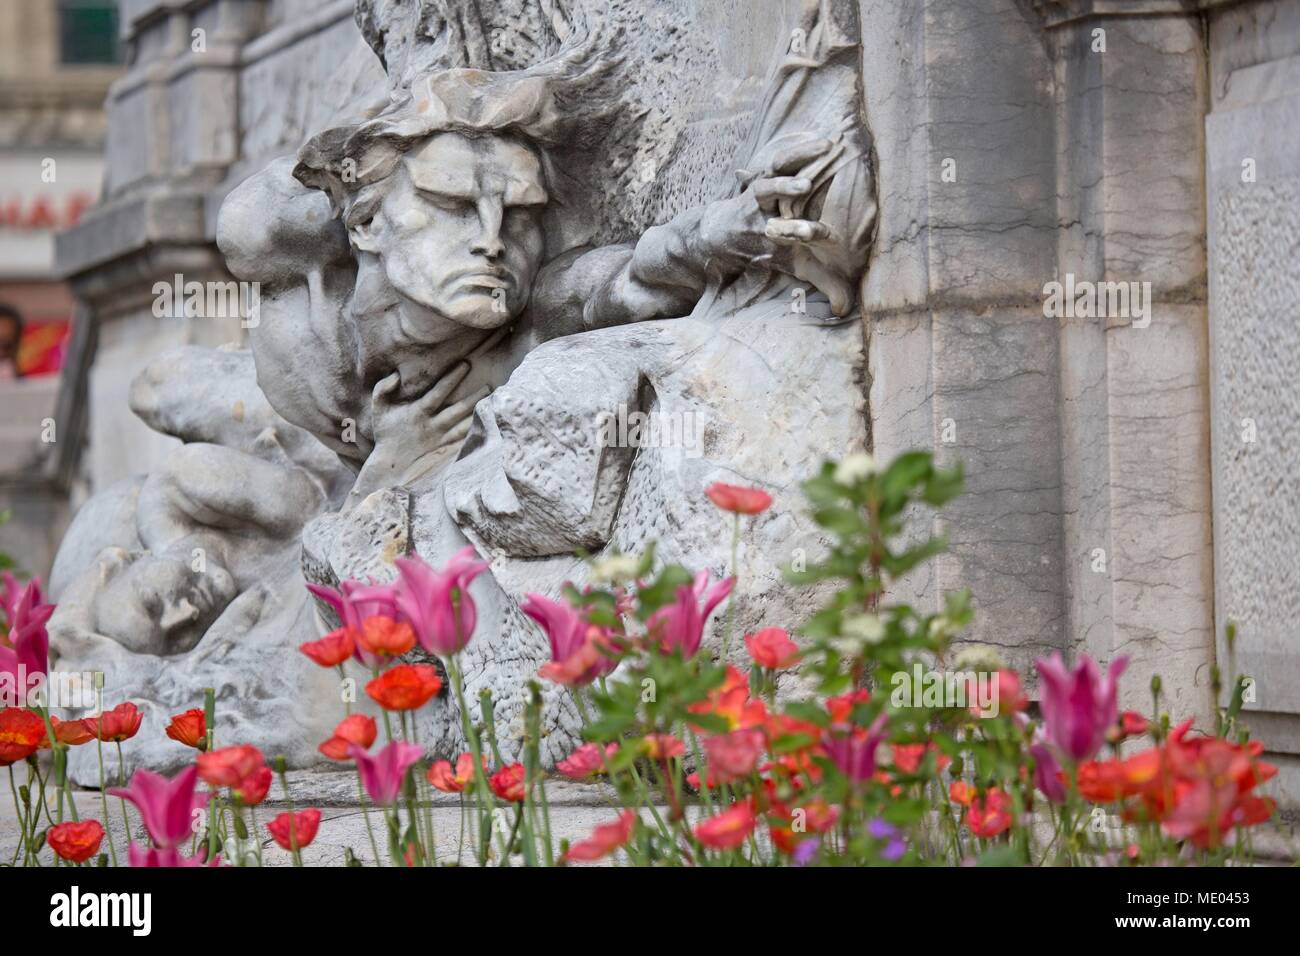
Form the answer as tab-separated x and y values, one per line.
57	61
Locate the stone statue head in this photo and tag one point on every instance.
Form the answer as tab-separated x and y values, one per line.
446	189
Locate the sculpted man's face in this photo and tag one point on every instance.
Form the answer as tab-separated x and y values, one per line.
460	229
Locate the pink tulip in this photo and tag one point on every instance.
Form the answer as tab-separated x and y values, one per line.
854	752
168	856
10	592
1047	771
28	652
382	774
570	635
353	602
437	603
680	626
1079	706
166	806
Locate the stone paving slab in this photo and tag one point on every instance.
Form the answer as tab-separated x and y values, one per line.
574	810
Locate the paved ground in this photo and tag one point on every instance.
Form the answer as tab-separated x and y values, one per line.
574	811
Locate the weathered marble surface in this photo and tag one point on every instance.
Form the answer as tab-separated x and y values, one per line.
1253	216
653	254
1079	435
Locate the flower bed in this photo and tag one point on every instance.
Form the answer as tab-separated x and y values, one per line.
898	758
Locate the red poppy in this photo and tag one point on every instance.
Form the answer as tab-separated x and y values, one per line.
189	728
728	829
663	746
120	723
1130	724
332	649
508	782
405	687
793	825
295	829
454	781
961	793
1203	789
76	842
841	707
586	761
1105	781
738	499
604	839
733	756
731	702
252	790
385	636
990	814
1010	696
21	733
355	729
772	648
230	766
70	732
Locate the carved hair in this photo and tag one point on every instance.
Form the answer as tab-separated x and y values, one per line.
536	105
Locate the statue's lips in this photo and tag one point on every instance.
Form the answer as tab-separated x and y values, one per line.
483	280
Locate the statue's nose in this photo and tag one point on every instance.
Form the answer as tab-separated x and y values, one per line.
488	243
491	247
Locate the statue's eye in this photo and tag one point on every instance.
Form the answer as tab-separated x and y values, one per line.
449	203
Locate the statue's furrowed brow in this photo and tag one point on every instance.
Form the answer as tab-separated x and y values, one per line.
450	181
524	192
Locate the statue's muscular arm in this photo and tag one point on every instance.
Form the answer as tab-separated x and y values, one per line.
664	274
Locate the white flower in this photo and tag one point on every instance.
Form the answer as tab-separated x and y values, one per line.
864	627
978	657
616	567
854	468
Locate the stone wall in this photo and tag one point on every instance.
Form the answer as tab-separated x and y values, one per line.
1252	157
1012	154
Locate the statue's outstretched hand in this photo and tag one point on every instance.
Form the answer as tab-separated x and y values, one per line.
759	223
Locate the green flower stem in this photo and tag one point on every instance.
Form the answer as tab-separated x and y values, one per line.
650	804
370	830
280	769
103	802
60	754
735	589
460	840
257	834
424	796
482	788
121	782
20	816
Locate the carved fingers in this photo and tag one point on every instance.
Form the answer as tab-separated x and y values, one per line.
453	422
794	158
770	191
432	400
788	178
382	393
792	232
